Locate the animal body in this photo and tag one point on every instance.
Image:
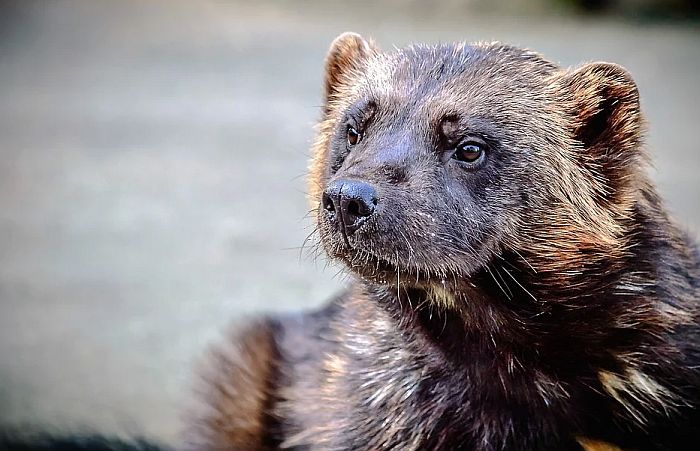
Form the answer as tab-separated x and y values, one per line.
516	281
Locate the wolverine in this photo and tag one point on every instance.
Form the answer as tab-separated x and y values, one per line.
516	282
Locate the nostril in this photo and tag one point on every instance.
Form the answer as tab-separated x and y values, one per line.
354	208
361	207
327	202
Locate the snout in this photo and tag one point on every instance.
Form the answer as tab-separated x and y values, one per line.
350	203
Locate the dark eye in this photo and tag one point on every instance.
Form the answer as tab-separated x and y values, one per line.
353	136
469	152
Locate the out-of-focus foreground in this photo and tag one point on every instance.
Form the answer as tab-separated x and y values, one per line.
151	177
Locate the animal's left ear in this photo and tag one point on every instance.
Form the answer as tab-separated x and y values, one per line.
606	116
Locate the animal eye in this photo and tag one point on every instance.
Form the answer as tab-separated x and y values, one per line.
353	136
469	152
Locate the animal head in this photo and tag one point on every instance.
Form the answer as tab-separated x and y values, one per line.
432	161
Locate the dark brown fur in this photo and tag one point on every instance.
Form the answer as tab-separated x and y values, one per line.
544	301
238	392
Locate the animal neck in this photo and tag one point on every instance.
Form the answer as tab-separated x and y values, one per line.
508	308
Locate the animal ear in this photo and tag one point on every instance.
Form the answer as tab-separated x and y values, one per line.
607	122
607	118
346	56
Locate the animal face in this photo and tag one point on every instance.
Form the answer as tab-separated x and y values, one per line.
433	161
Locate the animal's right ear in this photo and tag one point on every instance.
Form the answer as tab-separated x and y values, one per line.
607	122
606	106
347	56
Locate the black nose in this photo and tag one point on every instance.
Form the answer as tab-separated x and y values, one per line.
350	202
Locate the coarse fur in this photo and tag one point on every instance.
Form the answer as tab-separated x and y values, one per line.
540	300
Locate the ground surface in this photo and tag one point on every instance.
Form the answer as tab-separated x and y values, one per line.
151	179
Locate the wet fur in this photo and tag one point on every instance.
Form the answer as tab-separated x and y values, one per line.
544	302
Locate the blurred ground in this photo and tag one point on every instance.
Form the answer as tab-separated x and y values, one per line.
151	178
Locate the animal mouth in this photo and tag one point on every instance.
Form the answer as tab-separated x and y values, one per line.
369	265
363	260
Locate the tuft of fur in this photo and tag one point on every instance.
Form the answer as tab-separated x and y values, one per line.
541	300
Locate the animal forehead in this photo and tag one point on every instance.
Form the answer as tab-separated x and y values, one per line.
430	65
459	75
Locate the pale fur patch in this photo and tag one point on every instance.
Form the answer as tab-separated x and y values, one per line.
638	393
596	445
440	296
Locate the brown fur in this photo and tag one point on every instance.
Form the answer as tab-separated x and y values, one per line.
543	300
595	445
237	392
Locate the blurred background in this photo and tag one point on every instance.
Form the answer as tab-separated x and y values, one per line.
152	160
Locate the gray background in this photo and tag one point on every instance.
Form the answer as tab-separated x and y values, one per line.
152	157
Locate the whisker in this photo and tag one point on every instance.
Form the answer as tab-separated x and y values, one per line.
520	285
495	280
306	240
498	273
523	259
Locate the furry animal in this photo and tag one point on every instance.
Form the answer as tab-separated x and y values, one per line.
517	283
